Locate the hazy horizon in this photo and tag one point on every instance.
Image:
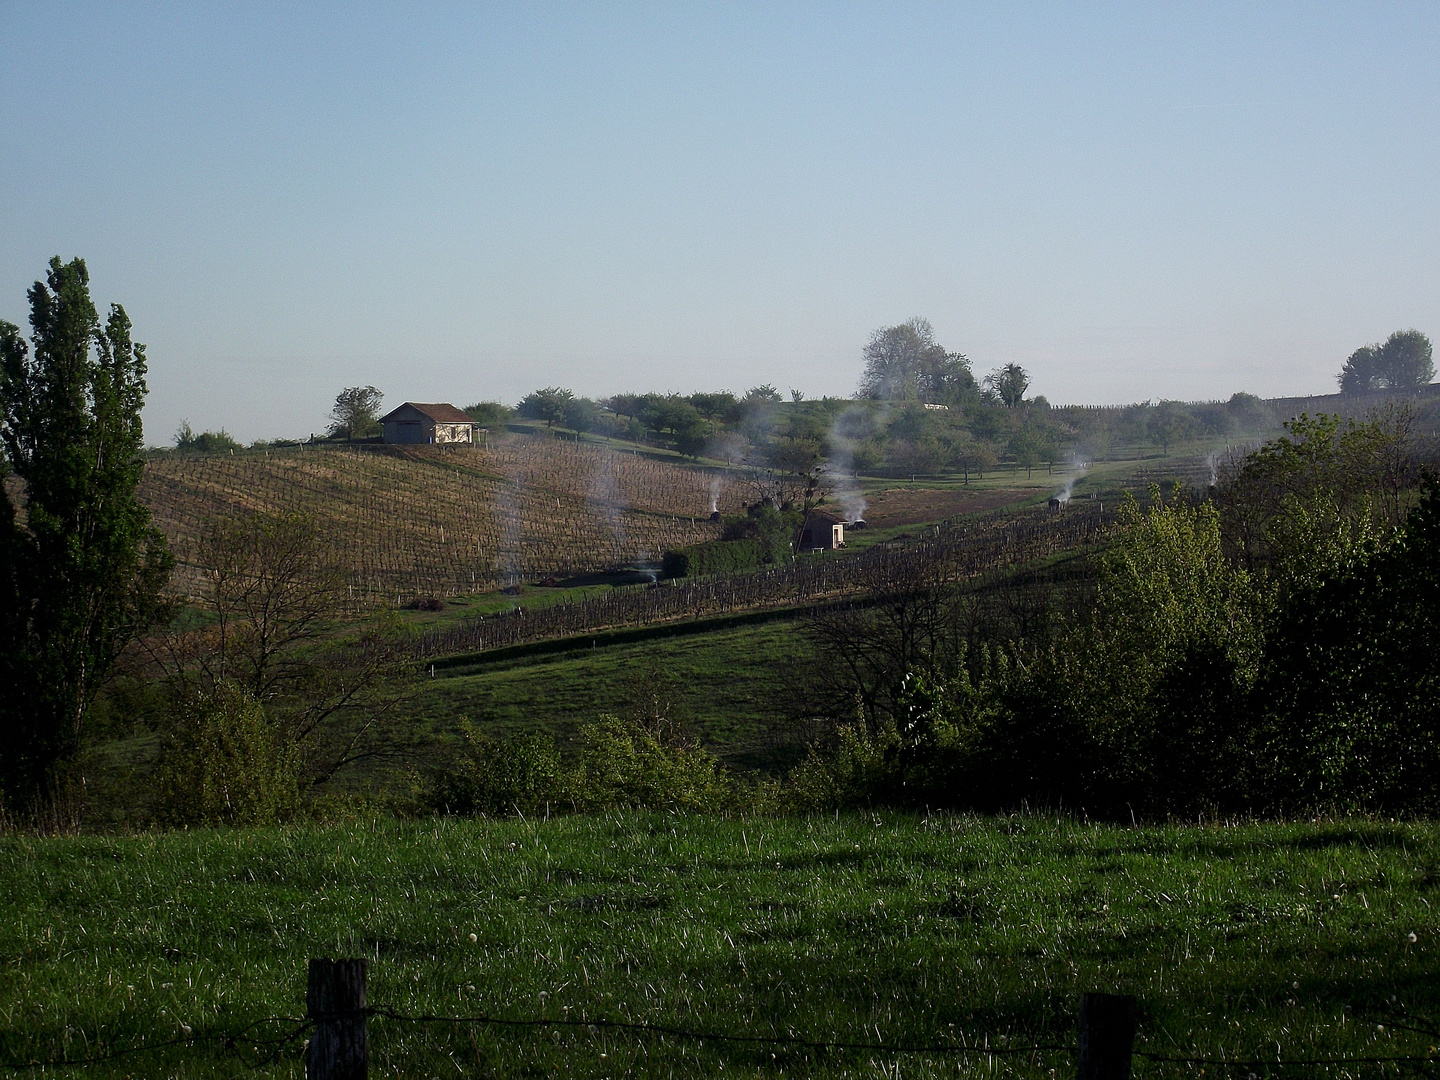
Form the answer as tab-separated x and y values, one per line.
469	202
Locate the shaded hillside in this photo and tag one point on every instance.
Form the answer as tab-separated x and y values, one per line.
414	521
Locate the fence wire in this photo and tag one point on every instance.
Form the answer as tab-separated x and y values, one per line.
267	1050
271	1049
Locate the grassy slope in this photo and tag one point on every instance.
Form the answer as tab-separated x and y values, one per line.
729	684
1253	942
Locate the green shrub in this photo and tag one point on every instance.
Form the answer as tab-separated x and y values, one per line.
713	557
630	763
621	763
496	776
225	763
1350	681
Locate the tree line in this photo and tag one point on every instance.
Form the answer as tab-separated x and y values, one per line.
1266	647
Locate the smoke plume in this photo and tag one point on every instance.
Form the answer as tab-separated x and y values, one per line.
851	427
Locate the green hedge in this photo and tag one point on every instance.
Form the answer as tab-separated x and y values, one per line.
713	557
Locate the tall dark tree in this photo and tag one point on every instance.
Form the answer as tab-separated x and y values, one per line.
1009	384
1404	362
81	567
356	414
1359	376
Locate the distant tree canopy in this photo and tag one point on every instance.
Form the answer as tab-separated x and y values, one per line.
1403	362
580	414
186	438
1008	384
488	412
906	363
81	575
548	404
1169	423
356	413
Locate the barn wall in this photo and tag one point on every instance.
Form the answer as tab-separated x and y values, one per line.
397	431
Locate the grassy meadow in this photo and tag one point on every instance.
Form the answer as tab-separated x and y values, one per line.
1255	943
729	681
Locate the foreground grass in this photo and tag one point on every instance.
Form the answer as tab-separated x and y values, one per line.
1256	942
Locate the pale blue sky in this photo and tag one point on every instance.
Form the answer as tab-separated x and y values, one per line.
470	201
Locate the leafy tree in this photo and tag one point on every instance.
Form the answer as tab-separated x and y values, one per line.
720	405
488	413
969	454
623	404
765	392
548	404
1350	681
1339	471
356	413
1404	362
1168	423
1028	448
692	436
923	455
1359	376
948	380
580	414
81	571
1008	384
1174	646
771	528
224	763
1246	412
906	363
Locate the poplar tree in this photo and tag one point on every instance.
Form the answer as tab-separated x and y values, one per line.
81	566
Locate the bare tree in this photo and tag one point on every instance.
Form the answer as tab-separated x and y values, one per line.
278	629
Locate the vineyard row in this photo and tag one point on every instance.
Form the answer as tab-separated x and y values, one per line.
960	551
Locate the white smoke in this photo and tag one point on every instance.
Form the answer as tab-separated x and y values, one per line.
609	502
1076	473
851	427
717	487
507	517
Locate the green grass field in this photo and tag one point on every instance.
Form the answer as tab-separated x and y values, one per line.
1261	943
730	684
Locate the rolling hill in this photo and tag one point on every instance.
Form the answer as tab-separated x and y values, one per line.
404	522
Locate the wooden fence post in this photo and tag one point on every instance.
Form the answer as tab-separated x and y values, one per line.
335	1001
1107	1036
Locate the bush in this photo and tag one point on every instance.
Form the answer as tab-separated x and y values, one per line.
225	763
712	557
497	776
208	442
622	763
634	764
1350	680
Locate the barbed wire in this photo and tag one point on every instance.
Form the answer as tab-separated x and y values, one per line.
701	1036
1270	1063
270	1048
233	1042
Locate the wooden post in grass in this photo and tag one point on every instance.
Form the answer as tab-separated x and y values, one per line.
335	1001
1107	1036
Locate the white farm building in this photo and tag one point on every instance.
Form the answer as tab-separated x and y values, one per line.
416	422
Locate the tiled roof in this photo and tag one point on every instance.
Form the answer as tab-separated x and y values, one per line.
442	413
